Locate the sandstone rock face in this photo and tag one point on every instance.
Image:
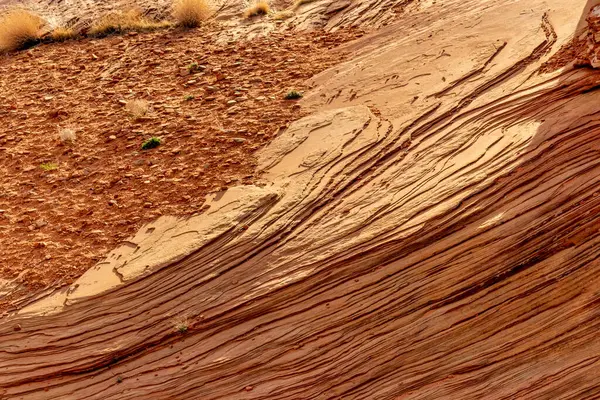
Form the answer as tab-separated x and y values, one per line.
431	231
593	37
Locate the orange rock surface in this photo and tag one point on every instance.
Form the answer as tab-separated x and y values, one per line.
102	186
429	230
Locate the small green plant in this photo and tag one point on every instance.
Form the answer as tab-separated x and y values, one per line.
293	95
151	143
193	67
49	166
181	324
182	327
189	97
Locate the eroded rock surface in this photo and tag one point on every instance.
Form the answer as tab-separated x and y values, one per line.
430	232
593	37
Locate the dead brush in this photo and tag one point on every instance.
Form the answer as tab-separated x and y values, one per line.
281	15
124	21
191	13
19	29
299	3
61	34
137	108
257	9
67	135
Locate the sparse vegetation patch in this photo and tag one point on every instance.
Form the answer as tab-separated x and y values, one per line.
62	34
124	21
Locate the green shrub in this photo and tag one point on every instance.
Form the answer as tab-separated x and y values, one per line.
293	95
151	143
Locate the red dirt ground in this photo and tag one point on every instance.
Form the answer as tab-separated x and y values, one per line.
55	224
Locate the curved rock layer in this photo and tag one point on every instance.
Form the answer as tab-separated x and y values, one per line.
431	232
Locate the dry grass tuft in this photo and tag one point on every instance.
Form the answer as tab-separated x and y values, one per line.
191	13
298	3
62	34
19	29
137	108
281	15
49	166
123	21
67	135
258	8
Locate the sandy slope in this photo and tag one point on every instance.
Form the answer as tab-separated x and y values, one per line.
58	223
431	232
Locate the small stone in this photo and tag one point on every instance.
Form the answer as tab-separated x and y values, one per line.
248	388
231	102
261	98
17	327
211	88
48	98
146	182
112	137
123	102
239	140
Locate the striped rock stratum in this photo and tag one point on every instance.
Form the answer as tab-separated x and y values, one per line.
429	231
